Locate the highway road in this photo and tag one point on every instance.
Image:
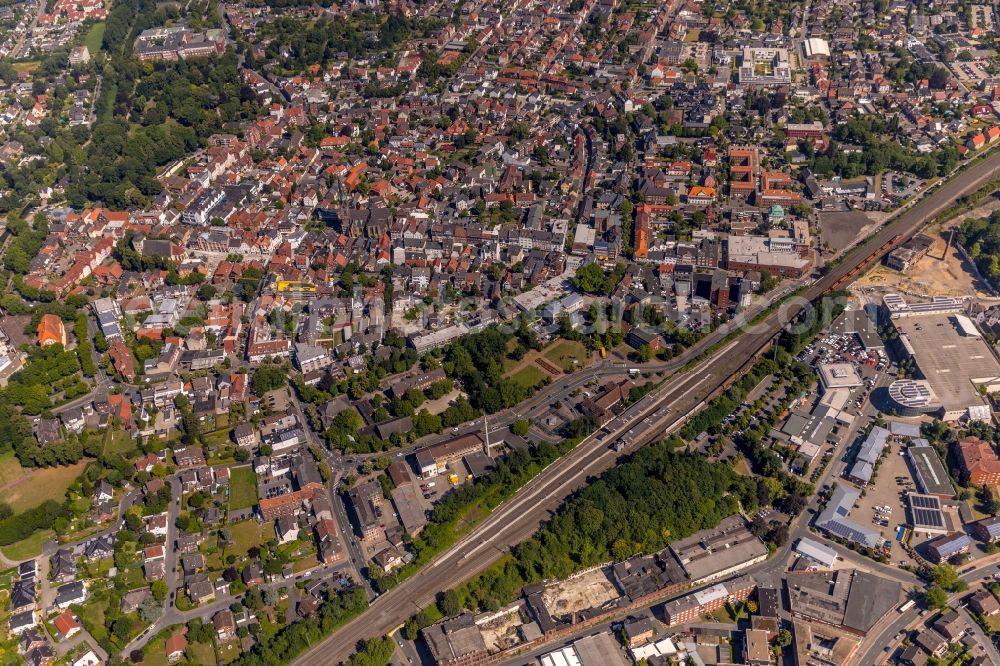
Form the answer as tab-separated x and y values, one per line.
658	413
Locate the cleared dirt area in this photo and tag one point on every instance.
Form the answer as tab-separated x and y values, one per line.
500	631
932	275
938	273
13	326
590	589
841	229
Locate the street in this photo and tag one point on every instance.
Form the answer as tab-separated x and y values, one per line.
664	410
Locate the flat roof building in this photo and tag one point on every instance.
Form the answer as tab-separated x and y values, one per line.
597	650
817	552
692	606
955	365
720	551
929	471
838	375
762	66
411	512
914	397
926	515
850	599
454	639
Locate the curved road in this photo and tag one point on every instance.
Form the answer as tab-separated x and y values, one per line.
660	412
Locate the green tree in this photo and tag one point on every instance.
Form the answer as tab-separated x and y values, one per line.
590	279
450	604
945	576
160	590
936	598
267	378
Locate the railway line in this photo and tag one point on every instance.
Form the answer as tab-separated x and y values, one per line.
661	412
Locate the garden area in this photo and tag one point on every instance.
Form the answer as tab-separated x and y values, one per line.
242	487
246	535
118	441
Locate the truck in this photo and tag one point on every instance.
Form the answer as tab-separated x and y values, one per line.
907	606
618	446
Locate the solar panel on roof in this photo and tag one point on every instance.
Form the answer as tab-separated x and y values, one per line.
928	517
925	502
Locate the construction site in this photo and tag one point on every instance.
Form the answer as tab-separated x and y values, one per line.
941	270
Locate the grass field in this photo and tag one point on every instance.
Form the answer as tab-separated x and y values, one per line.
218	437
94	38
49	483
242	487
10	469
30	547
202	653
156	653
117	441
248	534
529	376
304	563
564	352
228	651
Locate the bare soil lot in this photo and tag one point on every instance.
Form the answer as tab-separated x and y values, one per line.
840	229
588	590
937	274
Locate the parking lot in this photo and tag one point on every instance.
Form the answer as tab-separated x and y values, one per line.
888	489
844	348
896	186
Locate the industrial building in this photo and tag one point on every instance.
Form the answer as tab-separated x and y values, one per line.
849	599
817	552
929	471
453	640
720	551
926	515
834	519
909	253
868	455
949	355
597	650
